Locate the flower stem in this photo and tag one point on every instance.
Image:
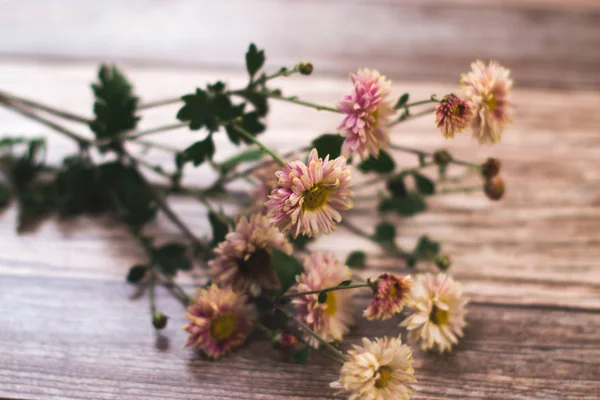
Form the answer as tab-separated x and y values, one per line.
295	100
257	142
422	153
179	292
159	103
151	281
330	289
155	130
461	190
312	333
420	102
395	251
50	110
405	117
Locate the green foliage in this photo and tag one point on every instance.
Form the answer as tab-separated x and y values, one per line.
402	100
397	186
301	241
171	258
198	152
345	283
207	110
380	165
5	195
137	273
301	355
219	228
385	232
426	249
329	144
287	267
356	260
406	206
322	298
424	185
255	59
115	105
251	123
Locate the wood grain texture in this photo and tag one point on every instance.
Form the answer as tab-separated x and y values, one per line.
550	44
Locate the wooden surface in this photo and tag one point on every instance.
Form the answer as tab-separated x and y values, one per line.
70	328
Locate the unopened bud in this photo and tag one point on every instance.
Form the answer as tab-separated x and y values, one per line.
490	168
443	262
305	68
159	320
494	188
442	157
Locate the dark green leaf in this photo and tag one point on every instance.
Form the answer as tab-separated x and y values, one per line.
301	355
195	110
137	273
254	60
426	249
250	155
424	185
409	205
287	267
218	87
345	283
381	165
402	101
115	105
301	241
4	195
251	123
356	260
259	101
396	186
385	232
171	258
329	144
219	228
322	297
199	151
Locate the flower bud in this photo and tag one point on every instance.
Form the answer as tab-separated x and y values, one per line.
305	68
442	157
159	320
490	168
443	263
494	188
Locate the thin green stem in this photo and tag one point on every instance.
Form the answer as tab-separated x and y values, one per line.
257	142
471	189
312	333
155	130
158	103
295	100
50	110
409	117
420	102
330	289
422	153
151	299
179	292
395	251
154	168
159	146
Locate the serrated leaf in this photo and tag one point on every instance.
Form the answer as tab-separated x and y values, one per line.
381	165
356	260
402	100
287	267
396	186
424	185
385	232
255	59
219	228
301	355
198	152
115	104
322	298
171	258
426	249
410	204
137	273
251	123
329	144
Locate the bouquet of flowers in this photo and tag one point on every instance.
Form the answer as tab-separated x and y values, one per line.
263	274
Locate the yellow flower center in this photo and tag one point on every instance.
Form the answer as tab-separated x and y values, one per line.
331	303
392	293
458	109
375	114
439	316
385	374
315	197
491	103
223	326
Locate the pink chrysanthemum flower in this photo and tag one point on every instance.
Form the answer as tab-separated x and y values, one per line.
389	298
219	321
331	319
367	110
380	369
452	115
243	260
267	182
308	197
487	88
439	312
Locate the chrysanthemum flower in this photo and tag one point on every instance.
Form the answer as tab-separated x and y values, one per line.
308	197
452	115
439	312
389	298
219	321
487	88
331	319
267	182
243	260
378	370
367	110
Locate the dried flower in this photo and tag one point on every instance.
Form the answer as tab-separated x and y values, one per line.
308	197
494	188
390	296
330	319
367	110
452	115
487	88
243	260
378	370
219	321
439	312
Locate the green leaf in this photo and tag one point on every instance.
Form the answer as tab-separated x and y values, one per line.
301	241
219	228
402	101
322	297
424	185
345	283
171	258
381	165
329	144
287	267
407	206
356	260
426	249
137	273
204	110
245	156
254	60
4	195
251	123
199	152
385	232
301	355
396	186
115	105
